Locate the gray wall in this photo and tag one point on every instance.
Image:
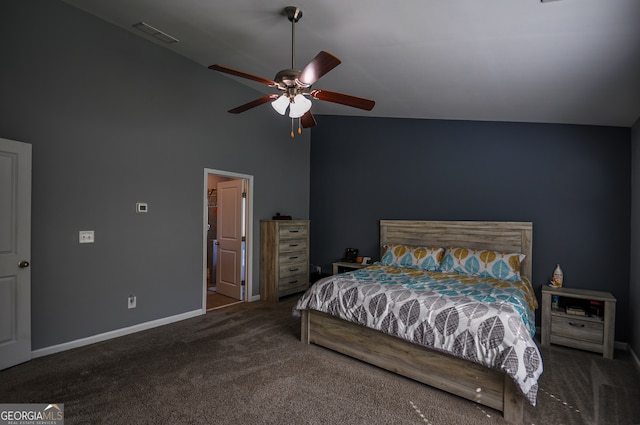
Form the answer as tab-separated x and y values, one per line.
115	119
634	293
572	182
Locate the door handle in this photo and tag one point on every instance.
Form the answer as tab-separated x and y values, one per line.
23	264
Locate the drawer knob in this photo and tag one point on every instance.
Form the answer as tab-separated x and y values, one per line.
577	325
293	244
293	258
291	269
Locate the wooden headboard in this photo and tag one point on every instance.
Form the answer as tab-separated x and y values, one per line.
496	235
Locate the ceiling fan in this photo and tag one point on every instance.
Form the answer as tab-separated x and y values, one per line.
295	85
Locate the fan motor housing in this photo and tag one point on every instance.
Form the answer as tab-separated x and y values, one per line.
288	78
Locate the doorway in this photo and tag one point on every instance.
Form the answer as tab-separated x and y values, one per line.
227	250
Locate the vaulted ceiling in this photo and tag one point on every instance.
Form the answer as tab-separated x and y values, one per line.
565	61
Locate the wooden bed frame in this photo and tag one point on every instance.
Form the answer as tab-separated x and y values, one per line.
460	377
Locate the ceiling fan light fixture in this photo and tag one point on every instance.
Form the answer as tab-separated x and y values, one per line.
299	106
280	104
295	85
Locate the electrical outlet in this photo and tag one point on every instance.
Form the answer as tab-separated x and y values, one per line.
318	269
131	302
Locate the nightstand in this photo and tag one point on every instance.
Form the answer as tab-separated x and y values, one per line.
593	331
341	266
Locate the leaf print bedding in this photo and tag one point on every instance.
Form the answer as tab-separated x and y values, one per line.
483	320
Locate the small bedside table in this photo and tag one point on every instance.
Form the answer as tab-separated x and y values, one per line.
345	265
590	332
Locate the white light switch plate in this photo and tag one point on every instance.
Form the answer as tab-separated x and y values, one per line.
86	236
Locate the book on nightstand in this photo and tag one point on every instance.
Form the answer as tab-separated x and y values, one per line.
576	311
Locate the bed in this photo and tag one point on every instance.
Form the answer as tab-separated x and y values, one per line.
465	360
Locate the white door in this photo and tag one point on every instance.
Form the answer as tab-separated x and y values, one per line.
229	270
15	252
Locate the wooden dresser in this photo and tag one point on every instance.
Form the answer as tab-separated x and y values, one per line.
284	258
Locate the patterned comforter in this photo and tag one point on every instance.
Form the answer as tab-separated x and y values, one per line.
483	320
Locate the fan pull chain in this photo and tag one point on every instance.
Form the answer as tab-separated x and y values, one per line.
292	134
299	127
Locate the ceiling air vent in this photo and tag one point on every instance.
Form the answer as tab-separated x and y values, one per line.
154	32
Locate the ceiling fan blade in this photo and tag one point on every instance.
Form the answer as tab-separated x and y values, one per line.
307	120
254	103
320	65
343	99
227	70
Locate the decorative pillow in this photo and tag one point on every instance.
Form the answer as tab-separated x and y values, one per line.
412	257
484	263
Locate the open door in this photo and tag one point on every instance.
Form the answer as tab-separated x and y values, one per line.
15	253
230	238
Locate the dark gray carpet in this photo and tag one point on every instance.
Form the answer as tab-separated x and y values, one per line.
245	365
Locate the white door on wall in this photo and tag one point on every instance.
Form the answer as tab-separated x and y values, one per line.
230	235
15	252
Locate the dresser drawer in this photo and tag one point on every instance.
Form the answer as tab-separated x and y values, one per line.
292	245
577	328
293	269
292	231
292	284
292	257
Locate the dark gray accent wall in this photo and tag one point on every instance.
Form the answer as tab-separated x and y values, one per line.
634	292
572	182
115	119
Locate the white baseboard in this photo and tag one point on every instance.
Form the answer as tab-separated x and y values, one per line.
113	334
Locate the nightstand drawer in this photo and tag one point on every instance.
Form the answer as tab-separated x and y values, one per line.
577	328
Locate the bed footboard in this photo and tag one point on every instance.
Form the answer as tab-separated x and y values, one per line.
456	376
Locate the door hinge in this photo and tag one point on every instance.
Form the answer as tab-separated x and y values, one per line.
244	239
244	194
242	282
